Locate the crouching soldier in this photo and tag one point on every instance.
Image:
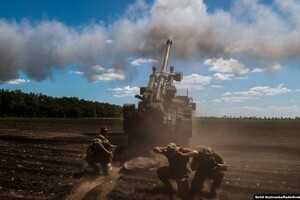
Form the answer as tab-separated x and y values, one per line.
100	151
177	170
208	165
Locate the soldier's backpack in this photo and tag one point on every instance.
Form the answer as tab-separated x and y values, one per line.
98	152
105	142
95	148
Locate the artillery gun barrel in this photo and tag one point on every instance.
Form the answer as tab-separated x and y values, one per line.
152	79
162	77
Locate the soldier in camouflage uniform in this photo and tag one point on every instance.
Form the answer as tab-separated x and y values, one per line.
100	151
208	165
177	170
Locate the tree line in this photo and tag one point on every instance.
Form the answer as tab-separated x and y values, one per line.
18	104
251	118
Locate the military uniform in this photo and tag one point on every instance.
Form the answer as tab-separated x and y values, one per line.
177	169
208	165
96	154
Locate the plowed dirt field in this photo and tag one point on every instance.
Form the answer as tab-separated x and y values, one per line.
44	159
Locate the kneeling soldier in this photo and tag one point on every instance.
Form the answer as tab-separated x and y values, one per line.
208	165
177	170
100	151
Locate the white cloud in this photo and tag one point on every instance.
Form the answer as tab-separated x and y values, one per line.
258	70
230	66
99	73
196	79
125	91
18	81
98	68
268	91
108	41
193	81
189	87
236	98
227	70
216	86
298	90
76	72
107	77
141	61
217	100
254	92
274	68
223	77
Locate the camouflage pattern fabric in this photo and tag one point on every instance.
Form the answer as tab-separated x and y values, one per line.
96	155
206	168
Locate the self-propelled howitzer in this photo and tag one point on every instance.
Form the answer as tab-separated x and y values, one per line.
161	116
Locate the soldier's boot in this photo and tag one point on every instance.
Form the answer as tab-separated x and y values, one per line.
163	174
183	186
197	183
107	169
96	169
168	187
218	178
213	192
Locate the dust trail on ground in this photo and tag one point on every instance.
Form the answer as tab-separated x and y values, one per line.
78	193
140	163
97	188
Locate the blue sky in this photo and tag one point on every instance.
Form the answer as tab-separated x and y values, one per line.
238	58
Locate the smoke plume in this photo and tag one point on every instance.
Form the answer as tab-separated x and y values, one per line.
250	30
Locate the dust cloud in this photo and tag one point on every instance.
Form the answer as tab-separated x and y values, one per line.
141	163
214	133
95	187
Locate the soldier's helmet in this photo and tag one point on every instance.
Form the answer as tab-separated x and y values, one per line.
207	151
103	131
204	150
104	128
172	148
